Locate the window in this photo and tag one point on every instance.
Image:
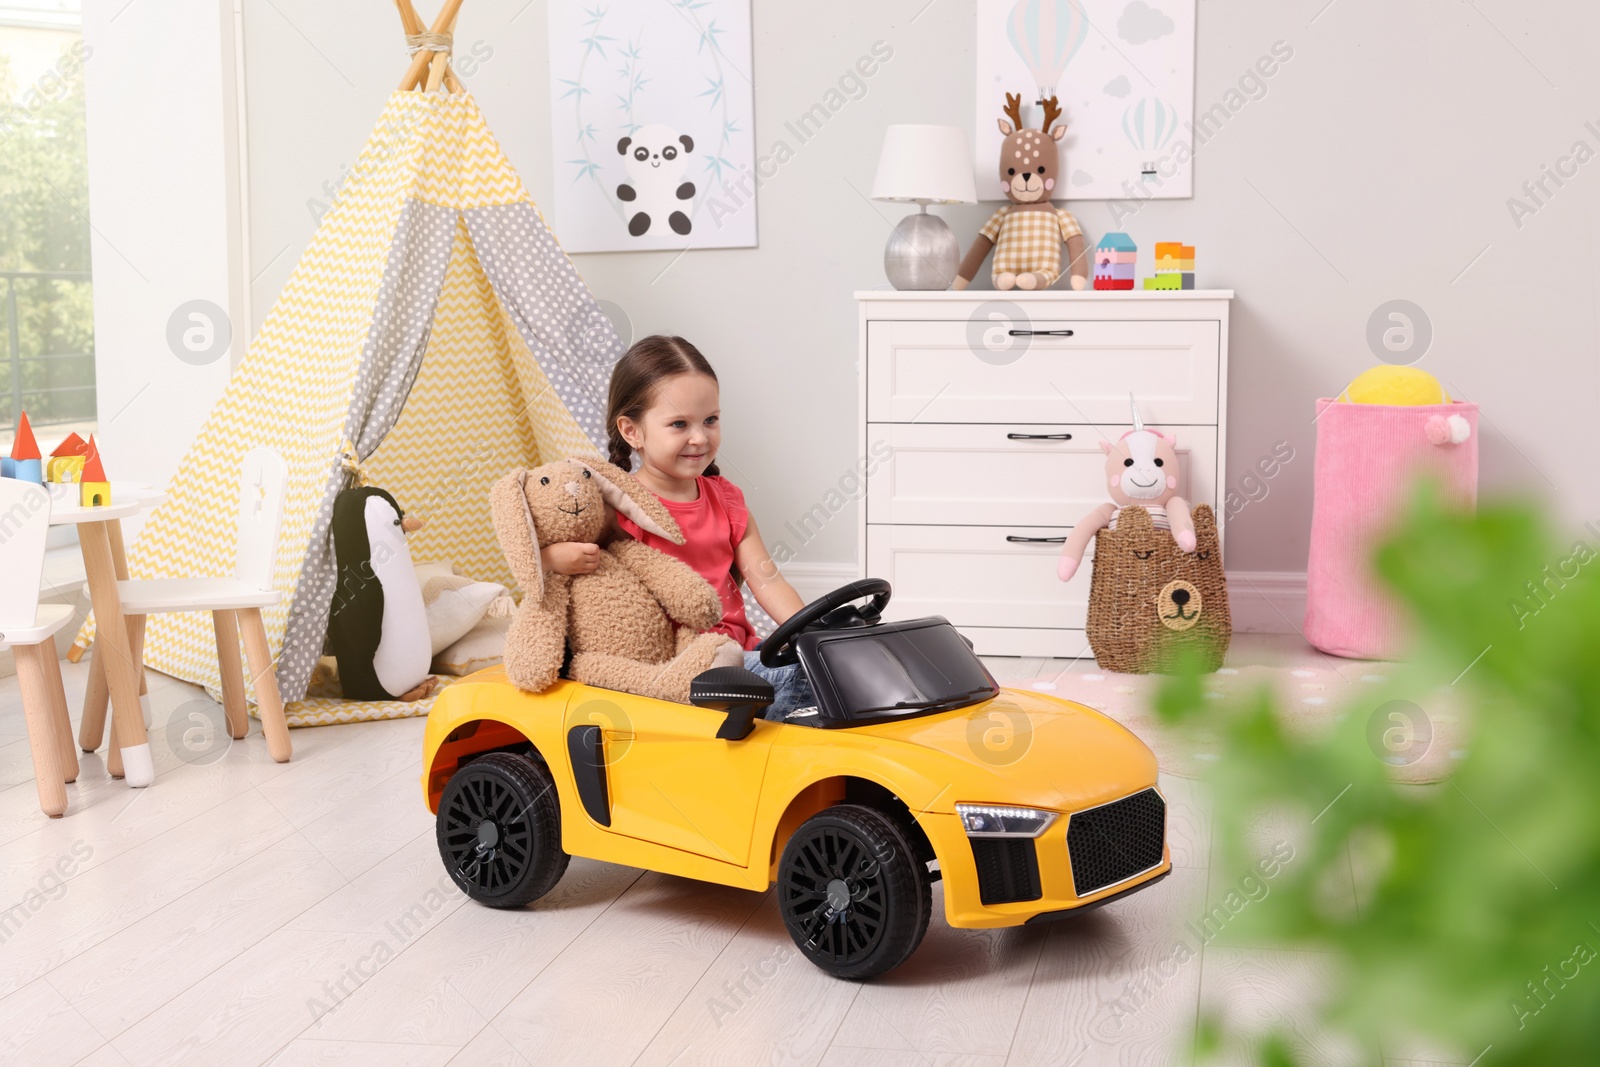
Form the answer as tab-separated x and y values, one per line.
893	670
46	299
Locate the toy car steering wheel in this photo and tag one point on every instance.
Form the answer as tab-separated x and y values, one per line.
826	613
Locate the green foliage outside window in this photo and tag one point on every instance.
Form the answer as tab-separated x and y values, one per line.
46	301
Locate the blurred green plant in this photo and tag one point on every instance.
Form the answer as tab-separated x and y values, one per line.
1477	918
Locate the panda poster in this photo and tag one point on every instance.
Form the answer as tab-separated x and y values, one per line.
652	124
1123	75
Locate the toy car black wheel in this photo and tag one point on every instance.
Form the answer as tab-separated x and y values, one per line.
499	830
852	893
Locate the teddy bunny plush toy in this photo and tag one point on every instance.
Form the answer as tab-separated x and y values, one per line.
1141	470
618	619
1026	234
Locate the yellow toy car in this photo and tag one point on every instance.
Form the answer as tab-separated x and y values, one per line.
914	766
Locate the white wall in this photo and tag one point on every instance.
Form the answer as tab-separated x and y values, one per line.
161	164
1376	165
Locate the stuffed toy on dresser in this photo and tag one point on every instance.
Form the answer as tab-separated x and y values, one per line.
1027	233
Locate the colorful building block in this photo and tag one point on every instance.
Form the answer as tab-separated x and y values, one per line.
1174	266
1114	261
1117	242
66	462
24	464
94	490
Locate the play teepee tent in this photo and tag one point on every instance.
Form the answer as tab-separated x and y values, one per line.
433	332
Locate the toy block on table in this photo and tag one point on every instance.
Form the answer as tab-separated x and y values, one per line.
1165	281
66	462
24	464
94	490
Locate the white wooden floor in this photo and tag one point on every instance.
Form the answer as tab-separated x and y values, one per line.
246	912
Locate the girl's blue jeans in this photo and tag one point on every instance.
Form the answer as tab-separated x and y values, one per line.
791	688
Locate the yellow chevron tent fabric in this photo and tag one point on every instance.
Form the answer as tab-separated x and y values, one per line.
434	322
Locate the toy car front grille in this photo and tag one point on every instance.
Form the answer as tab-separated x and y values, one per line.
1008	869
1116	841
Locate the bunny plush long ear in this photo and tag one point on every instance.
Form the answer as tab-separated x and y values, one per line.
518	536
624	493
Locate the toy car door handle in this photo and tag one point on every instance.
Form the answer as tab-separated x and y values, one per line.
1017	540
1038	437
1040	333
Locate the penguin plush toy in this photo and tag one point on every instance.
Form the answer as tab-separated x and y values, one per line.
378	628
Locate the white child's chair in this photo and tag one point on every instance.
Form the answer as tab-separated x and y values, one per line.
28	629
235	605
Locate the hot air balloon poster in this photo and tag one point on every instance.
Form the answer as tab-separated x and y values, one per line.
1123	74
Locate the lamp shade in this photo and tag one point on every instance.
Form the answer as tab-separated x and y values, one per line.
925	164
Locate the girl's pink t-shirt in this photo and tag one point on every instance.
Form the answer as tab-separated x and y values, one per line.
712	525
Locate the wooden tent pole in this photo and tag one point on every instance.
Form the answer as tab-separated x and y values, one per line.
409	19
442	70
419	62
413	24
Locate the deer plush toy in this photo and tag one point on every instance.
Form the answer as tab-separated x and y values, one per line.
1027	233
1141	469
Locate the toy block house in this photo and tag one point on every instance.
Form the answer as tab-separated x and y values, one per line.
1114	260
24	463
94	490
66	462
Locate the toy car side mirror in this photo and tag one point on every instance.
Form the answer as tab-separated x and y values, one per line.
739	693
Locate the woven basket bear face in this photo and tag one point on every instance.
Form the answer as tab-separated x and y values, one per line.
1150	603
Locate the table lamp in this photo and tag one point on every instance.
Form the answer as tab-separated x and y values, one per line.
924	165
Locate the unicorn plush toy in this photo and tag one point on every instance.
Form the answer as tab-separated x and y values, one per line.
1141	469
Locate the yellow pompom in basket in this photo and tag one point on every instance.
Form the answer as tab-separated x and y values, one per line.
1395	386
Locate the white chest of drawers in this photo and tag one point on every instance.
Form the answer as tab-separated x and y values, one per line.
980	418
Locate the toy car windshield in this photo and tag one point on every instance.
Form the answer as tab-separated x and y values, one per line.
892	671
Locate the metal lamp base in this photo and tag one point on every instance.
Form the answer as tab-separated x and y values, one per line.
922	253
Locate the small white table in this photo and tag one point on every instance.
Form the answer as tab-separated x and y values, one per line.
118	640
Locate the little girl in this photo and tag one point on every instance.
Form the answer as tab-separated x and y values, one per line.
664	406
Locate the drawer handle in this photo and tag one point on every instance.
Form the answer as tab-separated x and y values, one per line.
1038	437
1040	333
1016	540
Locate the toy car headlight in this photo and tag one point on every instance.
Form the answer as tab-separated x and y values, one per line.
992	820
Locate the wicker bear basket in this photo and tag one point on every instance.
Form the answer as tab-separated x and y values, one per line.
1152	605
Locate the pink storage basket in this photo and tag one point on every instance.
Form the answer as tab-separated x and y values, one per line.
1369	458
